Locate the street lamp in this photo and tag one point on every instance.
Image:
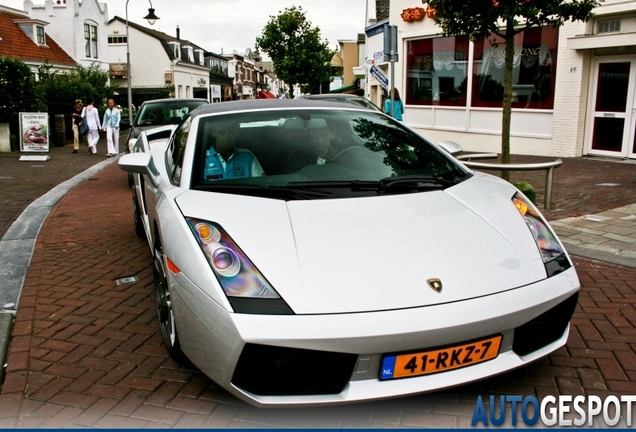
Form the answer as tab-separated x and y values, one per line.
152	18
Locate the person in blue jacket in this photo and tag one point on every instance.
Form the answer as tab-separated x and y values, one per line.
399	107
224	160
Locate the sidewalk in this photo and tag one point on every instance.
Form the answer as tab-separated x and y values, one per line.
86	352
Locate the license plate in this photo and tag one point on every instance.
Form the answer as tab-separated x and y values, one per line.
440	360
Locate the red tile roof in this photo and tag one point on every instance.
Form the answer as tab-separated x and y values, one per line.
17	44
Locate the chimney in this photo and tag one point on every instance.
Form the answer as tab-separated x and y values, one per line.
178	33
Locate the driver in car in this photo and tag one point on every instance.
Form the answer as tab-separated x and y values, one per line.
320	149
224	160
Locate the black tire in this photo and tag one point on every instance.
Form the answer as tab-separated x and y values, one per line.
130	180
139	225
164	305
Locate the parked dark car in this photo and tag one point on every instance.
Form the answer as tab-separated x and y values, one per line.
345	98
159	112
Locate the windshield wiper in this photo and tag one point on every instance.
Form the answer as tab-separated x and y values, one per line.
414	182
353	184
266	191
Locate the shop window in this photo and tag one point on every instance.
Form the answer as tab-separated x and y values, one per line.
534	70
436	71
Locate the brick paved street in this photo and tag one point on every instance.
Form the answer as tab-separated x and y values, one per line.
86	352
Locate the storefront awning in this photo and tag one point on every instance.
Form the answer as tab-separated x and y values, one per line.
602	41
266	95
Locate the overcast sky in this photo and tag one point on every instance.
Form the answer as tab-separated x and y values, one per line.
230	25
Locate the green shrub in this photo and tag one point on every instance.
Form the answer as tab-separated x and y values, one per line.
527	189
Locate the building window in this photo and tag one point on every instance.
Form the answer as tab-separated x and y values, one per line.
94	40
533	75
40	35
609	26
117	40
90	40
436	71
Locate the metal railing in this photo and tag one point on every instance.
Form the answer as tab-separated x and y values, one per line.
548	166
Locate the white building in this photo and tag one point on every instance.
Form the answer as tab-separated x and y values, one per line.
80	28
574	86
161	65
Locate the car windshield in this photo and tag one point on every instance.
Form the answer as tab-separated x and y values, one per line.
165	113
318	150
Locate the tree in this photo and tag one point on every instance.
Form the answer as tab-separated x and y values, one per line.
297	53
17	88
479	19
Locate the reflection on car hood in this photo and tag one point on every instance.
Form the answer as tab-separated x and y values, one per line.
377	253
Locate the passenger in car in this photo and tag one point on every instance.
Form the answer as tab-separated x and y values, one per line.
224	160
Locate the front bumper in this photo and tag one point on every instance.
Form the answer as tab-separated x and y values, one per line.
215	339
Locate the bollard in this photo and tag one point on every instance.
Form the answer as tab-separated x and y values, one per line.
60	131
5	140
548	166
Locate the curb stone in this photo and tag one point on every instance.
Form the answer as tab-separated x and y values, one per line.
602	256
6	323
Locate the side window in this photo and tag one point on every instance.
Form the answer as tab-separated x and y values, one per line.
175	151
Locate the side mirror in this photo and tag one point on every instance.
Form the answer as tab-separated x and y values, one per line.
141	163
451	147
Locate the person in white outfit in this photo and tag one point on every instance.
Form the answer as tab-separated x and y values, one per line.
92	118
112	116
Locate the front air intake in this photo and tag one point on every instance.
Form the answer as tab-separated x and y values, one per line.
277	371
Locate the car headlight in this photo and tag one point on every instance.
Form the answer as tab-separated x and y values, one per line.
245	287
552	252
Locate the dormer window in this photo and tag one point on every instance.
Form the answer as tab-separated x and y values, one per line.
34	29
199	57
176	50
188	54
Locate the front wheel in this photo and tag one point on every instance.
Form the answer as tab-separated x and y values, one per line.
164	305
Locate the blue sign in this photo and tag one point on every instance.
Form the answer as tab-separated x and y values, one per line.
379	75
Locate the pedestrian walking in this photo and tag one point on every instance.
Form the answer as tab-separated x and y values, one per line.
92	118
76	117
398	109
112	117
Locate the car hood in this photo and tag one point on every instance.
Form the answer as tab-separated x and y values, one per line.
377	253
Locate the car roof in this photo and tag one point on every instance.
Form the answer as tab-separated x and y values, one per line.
164	100
333	96
264	104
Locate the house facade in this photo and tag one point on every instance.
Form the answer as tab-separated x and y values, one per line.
574	87
242	70
350	59
80	28
161	65
220	83
27	39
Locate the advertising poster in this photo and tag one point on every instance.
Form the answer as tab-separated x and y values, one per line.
34	132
